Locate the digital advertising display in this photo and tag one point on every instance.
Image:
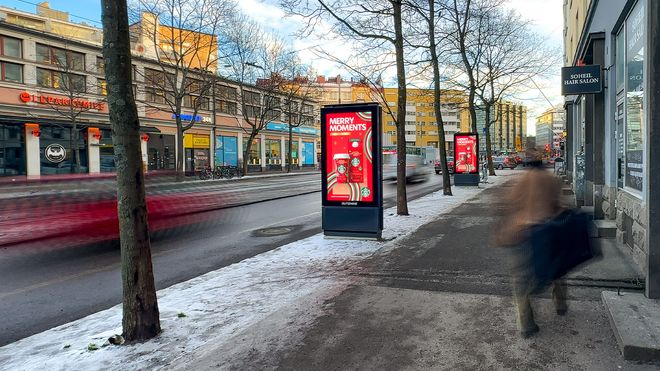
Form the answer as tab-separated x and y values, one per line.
351	171
466	153
349	163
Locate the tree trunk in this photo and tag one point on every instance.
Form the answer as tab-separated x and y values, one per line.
489	145
472	108
401	197
75	136
446	181
140	306
290	149
246	154
180	172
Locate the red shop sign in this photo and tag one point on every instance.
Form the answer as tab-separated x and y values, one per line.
26	97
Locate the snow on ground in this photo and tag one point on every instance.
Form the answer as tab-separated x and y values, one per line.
220	304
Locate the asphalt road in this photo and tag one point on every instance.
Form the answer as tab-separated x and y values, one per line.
46	283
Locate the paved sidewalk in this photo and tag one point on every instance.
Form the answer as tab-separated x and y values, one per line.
440	299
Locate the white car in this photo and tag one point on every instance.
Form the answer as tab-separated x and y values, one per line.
416	168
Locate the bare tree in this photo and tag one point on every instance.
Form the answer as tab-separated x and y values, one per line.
464	32
297	105
502	71
69	78
425	9
182	36
375	28
259	63
140	306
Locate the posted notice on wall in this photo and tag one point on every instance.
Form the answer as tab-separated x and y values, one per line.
349	157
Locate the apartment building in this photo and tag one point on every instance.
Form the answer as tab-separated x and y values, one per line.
508	132
550	127
44	59
421	124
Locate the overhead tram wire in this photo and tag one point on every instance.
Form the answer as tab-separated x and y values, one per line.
70	14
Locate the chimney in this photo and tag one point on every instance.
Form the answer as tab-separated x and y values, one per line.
44	10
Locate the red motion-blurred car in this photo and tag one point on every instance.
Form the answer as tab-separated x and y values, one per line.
450	166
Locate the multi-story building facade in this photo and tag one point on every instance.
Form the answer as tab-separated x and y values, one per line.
550	127
575	15
421	126
509	130
607	141
42	54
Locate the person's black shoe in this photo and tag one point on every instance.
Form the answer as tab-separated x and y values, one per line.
528	333
562	312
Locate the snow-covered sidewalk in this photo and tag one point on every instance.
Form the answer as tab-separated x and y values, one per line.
209	311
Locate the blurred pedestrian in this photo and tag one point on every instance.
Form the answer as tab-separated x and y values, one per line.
533	201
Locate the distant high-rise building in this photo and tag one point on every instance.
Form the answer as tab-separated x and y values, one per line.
550	126
508	131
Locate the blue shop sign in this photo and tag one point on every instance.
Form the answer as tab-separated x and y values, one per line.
275	126
188	117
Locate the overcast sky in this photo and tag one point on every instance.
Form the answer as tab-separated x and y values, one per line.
546	16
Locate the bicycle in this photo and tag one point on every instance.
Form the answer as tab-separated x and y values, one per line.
205	174
227	172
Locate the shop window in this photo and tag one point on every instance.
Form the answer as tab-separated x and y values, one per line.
273	152
254	156
295	155
635	31
11	72
160	152
106	151
12	150
60	138
11	47
226	151
620	61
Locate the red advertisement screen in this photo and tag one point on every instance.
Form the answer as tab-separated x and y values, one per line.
349	157
466	153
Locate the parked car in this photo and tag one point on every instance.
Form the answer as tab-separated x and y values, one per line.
450	166
501	162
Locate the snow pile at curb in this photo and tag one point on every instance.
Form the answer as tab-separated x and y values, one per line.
209	310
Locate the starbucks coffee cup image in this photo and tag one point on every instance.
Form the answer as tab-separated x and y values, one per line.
341	165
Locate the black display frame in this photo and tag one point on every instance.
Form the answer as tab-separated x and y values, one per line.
377	156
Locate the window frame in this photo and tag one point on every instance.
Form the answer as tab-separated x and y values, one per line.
2	46
55	61
53	75
3	72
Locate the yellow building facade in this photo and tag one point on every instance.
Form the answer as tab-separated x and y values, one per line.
421	126
575	15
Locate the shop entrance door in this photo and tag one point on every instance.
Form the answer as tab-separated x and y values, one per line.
12	150
160	151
